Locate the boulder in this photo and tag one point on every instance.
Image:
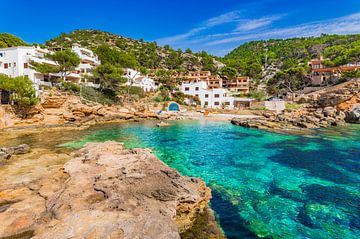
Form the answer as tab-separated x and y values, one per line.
353	116
21	149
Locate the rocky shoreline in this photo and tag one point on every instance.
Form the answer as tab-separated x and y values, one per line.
107	191
333	107
65	109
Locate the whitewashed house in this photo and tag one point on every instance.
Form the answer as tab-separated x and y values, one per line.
209	98
134	78
88	60
15	61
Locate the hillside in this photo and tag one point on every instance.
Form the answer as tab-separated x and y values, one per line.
8	40
253	57
136	53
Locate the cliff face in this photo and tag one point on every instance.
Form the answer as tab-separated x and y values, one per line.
106	191
59	108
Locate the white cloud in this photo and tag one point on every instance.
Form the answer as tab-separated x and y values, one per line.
237	30
345	25
212	22
252	24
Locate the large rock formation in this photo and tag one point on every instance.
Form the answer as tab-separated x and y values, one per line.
60	108
106	191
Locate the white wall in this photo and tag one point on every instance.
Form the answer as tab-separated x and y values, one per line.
214	98
16	57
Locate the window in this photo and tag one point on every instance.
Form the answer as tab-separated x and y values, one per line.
9	64
206	103
316	66
196	88
227	103
26	65
216	103
6	65
197	95
217	95
1	54
187	88
14	64
206	95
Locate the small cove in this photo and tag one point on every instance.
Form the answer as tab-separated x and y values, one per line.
265	185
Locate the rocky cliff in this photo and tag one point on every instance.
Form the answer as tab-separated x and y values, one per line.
58	108
106	191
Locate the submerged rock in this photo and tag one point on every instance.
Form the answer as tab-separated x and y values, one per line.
162	124
5	153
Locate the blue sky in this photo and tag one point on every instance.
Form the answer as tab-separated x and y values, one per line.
216	26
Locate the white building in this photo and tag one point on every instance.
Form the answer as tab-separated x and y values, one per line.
88	58
209	98
15	61
134	78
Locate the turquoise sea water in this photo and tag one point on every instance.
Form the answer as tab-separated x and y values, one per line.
265	185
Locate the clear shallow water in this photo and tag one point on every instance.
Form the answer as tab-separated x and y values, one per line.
264	184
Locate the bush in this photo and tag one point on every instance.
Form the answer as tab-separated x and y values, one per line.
351	74
70	86
292	106
159	99
22	88
132	90
94	95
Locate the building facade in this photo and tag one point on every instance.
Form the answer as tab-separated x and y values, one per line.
15	61
135	78
209	98
239	84
322	75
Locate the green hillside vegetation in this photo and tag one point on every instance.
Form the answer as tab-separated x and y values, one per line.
278	59
8	40
126	52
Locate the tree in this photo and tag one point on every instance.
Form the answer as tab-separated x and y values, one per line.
44	68
8	40
110	77
229	72
22	88
67	61
114	57
288	80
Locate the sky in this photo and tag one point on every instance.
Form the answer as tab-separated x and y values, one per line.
216	26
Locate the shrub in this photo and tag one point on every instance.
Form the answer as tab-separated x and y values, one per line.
159	99
292	106
70	86
94	95
22	88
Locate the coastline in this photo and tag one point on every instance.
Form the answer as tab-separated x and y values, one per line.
146	188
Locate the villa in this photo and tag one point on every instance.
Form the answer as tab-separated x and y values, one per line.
209	98
320	74
239	84
15	61
214	91
135	78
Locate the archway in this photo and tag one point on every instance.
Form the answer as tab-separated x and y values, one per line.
174	106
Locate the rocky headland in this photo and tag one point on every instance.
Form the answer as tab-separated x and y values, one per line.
334	106
107	191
